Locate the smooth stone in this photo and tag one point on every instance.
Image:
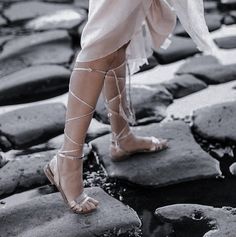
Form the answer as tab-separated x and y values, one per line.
149	103
17	11
24	172
229	20
34	83
197	62
84	4
206	70
216	122
2	21
152	62
52	47
31	125
213	21
207	221
180	48
228	42
184	85
213	94
232	169
50	216
63	19
183	161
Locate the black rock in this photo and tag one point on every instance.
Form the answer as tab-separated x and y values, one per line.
149	103
228	42
50	216
63	19
184	85
180	48
17	11
183	161
182	219
31	125
34	83
208	69
51	47
216	122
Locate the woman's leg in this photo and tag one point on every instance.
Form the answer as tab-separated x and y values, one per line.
85	87
122	133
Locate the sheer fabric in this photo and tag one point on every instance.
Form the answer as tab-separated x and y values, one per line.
148	25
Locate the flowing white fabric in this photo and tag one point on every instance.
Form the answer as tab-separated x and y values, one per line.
147	24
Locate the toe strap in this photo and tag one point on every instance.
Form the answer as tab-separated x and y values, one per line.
79	201
158	144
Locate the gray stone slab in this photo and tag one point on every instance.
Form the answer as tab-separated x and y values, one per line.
216	122
34	83
180	48
149	103
24	172
183	85
31	125
205	220
228	42
63	19
49	216
31	9
208	70
52	47
183	161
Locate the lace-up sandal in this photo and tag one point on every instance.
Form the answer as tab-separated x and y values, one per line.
83	201
125	111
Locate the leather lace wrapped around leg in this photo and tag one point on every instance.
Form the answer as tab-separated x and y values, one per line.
121	113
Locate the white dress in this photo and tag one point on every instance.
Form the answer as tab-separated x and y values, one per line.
147	23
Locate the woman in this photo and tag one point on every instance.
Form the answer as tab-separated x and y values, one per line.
118	33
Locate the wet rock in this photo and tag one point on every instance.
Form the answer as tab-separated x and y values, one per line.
152	62
183	161
24	172
213	23
63	19
17	11
196	63
208	69
2	21
216	122
232	169
34	83
31	125
51	47
184	85
228	42
49	216
206	221
229	20
180	48
149	103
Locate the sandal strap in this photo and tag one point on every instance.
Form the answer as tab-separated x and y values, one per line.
130	118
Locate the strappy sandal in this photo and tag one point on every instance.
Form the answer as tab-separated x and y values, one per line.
52	168
117	153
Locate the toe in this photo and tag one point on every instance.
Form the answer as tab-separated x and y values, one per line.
94	201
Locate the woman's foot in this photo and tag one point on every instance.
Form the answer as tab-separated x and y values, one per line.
133	144
71	181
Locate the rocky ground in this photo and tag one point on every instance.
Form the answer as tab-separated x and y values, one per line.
183	95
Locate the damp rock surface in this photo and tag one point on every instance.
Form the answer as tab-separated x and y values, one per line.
208	69
49	216
33	83
216	122
184	85
149	103
184	160
52	47
35	124
180	48
205	220
24	172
